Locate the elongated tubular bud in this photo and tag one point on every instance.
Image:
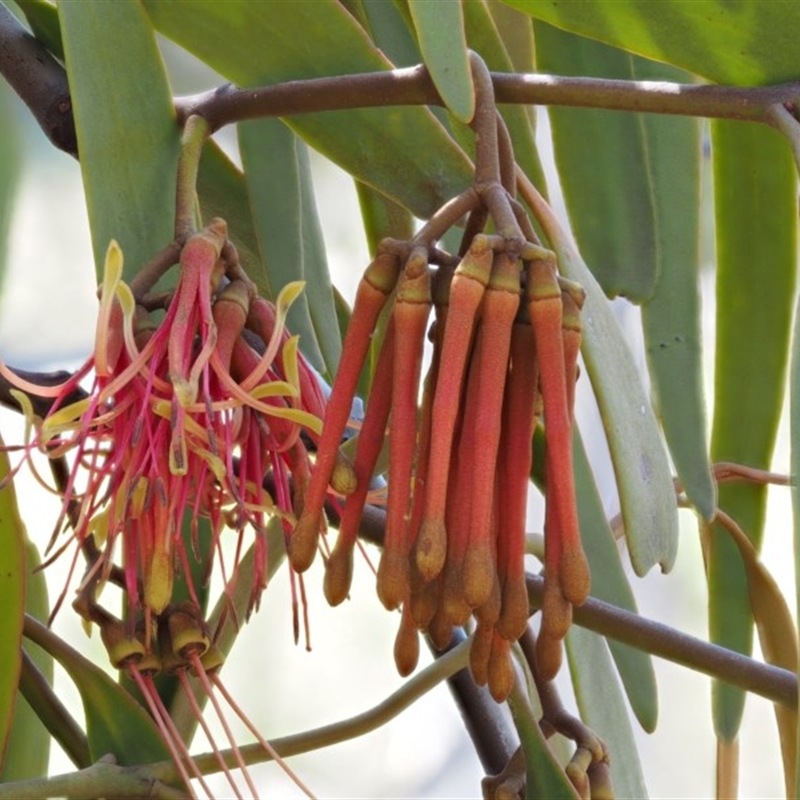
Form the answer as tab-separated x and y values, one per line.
500	307
545	310
548	655
339	567
406	645
479	653
466	292
459	507
230	312
514	464
411	311
374	289
500	668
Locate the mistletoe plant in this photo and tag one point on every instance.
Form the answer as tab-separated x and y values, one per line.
216	427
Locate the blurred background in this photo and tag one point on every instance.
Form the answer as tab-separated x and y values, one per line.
47	318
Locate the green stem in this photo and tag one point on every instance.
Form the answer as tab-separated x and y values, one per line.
195	132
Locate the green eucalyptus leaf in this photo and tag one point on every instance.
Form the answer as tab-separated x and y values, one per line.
516	32
391	33
610	583
128	140
115	722
403	151
440	32
794	468
602	708
28	748
12	601
644	480
42	16
604	168
672	316
756	229
728	41
279	184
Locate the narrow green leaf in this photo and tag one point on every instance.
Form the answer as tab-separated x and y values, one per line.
672	317
516	32
610	583
778	639
728	41
391	33
42	16
544	776
128	140
794	468
602	708
28	748
644	481
12	601
279	184
603	168
440	32
756	227
115	722
222	193
403	151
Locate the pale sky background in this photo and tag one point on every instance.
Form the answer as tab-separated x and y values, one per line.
47	313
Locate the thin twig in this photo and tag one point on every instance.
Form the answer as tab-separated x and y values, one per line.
774	683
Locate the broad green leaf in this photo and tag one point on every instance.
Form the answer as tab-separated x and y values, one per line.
356	8
610	583
222	193
644	481
672	317
604	168
403	151
484	38
728	41
440	32
279	184
42	16
602	708
115	722
128	141
12	601
28	749
756	229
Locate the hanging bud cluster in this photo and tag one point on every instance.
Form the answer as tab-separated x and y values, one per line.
199	396
505	336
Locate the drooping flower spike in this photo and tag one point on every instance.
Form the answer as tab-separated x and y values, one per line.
174	428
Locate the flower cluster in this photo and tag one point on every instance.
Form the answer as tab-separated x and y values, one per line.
505	343
198	397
